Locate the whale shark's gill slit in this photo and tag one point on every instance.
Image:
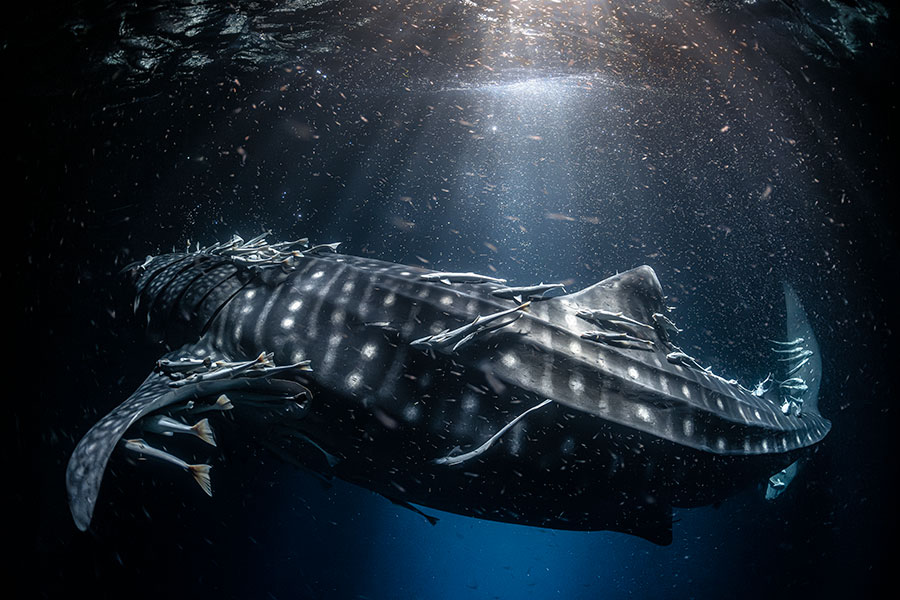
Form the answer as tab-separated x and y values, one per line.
146	271
173	313
145	280
218	309
197	294
199	269
153	295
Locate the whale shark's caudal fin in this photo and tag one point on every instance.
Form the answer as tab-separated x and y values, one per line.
807	367
801	377
181	377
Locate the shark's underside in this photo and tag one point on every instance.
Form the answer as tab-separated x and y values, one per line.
454	391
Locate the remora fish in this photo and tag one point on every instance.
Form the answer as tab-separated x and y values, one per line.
626	435
168	426
450	278
529	292
200	473
459	336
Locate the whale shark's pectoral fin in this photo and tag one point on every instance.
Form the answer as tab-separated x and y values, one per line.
454	458
164	387
300	451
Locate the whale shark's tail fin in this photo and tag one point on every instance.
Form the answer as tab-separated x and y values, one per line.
801	377
806	363
190	378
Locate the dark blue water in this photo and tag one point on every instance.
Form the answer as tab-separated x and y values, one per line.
729	145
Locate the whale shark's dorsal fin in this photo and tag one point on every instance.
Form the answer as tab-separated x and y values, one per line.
636	294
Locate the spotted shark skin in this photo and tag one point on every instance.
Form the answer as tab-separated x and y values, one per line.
627	435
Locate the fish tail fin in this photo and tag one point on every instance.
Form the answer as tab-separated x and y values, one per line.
224	403
203	431
200	474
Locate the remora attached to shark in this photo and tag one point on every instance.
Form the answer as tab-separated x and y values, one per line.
433	389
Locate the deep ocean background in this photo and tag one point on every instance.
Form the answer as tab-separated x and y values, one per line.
730	145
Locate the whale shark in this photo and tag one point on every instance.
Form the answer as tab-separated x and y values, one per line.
447	391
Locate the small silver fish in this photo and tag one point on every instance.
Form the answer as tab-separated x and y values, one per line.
617	339
164	425
790	343
601	317
454	458
200	473
223	403
798	366
682	359
332	247
449	278
184	366
790	350
796	355
666	323
528	292
763	386
459	336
